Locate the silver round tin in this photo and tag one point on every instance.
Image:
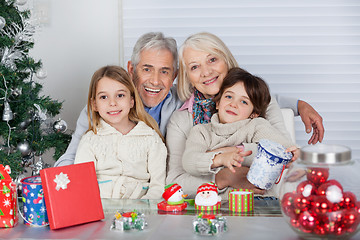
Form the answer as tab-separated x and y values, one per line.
327	154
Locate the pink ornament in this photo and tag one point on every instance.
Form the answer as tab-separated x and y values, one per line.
317	175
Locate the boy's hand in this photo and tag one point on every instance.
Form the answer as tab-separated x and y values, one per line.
230	159
225	178
295	151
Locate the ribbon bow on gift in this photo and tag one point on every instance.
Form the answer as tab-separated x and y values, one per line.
62	181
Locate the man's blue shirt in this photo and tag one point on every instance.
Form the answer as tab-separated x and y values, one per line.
155	112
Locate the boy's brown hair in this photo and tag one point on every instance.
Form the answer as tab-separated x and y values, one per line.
255	87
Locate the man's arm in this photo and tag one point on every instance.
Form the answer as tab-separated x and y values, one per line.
81	126
310	117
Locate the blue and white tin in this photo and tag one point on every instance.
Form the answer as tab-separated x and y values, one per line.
268	164
33	199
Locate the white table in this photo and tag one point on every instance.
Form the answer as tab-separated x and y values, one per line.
265	222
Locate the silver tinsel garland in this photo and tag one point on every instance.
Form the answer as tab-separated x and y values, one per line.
22	34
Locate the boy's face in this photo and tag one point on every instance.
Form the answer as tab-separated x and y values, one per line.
234	105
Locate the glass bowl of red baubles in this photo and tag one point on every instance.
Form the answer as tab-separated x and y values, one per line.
320	193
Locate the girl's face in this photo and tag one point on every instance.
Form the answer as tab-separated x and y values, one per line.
205	71
234	105
113	101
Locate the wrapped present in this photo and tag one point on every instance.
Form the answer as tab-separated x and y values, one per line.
8	199
128	221
33	202
209	224
72	195
241	200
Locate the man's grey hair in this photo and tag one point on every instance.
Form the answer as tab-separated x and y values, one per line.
154	40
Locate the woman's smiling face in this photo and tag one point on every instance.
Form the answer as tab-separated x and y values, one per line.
205	71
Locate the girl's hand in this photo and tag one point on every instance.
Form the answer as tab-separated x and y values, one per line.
230	159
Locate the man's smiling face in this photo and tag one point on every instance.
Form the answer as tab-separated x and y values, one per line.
154	75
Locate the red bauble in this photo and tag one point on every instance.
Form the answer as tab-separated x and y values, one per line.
340	230
348	200
351	218
332	190
302	203
306	188
317	175
323	226
294	222
357	207
321	205
287	205
321	230
308	221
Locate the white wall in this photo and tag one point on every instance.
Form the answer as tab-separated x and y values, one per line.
305	49
78	37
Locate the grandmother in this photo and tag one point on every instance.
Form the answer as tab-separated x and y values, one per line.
204	61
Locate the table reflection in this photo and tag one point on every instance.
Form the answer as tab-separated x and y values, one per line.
262	207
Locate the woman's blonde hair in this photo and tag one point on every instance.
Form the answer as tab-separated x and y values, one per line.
206	42
137	112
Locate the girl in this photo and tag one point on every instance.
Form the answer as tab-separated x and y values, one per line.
241	103
123	140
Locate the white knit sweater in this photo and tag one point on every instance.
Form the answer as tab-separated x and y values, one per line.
127	166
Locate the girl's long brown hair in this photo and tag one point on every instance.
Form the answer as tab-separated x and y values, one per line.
136	114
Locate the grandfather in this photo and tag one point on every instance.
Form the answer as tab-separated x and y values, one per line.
153	68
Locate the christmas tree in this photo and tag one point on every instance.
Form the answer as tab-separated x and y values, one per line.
27	126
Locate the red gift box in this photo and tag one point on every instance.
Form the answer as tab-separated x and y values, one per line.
8	199
72	195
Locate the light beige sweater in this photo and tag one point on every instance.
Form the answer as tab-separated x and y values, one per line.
127	166
206	137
